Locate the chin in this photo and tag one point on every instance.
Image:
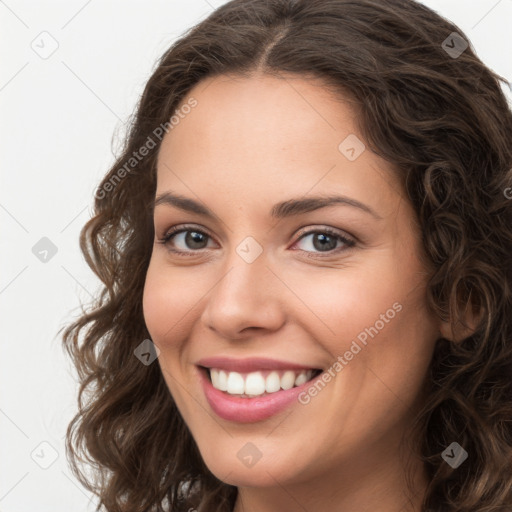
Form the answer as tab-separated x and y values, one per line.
260	475
235	467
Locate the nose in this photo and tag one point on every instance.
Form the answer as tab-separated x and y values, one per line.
248	297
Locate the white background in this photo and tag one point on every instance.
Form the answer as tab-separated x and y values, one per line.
58	119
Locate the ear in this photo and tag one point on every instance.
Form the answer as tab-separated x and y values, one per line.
460	328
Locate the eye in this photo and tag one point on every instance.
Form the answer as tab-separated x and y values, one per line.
325	240
190	238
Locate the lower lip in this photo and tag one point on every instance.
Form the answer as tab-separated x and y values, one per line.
249	410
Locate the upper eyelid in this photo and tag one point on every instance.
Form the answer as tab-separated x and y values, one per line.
174	230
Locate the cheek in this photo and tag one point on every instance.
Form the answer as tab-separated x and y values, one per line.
163	308
381	307
343	302
162	305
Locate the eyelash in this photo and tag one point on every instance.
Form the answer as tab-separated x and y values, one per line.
329	231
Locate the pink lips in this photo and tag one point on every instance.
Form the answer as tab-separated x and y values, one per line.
249	410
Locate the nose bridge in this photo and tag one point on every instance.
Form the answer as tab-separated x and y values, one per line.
244	296
246	272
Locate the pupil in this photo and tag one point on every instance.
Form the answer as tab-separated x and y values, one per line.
192	238
323	238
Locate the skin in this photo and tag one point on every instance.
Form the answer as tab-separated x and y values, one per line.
248	144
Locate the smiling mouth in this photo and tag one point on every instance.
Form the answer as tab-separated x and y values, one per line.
258	383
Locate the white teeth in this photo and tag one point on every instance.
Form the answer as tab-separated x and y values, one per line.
301	378
255	384
214	375
288	380
219	379
272	383
223	381
236	384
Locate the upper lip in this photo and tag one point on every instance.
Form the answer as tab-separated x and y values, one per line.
250	364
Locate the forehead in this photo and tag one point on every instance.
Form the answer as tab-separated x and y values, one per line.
264	134
269	109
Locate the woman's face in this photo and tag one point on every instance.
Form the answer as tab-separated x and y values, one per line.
263	277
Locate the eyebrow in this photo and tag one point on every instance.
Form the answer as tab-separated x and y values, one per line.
280	210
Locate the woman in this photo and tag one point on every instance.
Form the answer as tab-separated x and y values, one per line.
305	251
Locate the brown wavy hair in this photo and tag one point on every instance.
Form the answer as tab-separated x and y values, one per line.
444	123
